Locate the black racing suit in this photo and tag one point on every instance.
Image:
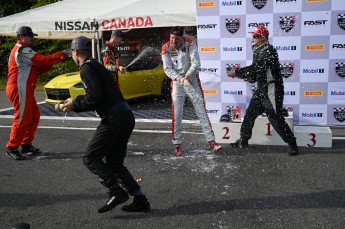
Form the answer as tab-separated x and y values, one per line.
269	94
117	123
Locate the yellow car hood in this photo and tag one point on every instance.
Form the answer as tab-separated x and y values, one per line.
64	81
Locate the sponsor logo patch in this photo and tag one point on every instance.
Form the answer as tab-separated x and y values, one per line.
339	113
286	69
340	69
287	22
259	4
232	24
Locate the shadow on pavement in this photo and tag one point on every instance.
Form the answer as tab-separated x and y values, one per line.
328	199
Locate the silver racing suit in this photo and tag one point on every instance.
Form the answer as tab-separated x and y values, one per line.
178	63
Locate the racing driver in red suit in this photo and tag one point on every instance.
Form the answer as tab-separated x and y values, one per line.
23	68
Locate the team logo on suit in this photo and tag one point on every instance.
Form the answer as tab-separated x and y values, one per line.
339	113
287	22
340	69
341	21
232	24
286	69
259	4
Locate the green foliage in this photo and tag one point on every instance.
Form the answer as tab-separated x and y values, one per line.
46	47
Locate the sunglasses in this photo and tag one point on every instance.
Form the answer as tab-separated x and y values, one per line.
256	36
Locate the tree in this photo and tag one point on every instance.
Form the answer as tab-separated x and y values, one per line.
9	7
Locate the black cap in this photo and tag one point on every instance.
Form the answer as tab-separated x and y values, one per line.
177	30
81	43
117	33
25	30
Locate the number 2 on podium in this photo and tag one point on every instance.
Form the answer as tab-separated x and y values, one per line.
226	135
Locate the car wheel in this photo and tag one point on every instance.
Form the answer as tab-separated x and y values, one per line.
166	88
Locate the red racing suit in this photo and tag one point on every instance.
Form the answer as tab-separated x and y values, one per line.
23	67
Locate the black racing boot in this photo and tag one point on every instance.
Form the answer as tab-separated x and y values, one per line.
15	154
28	148
139	204
116	196
293	149
240	143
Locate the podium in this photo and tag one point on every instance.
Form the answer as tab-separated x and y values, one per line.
264	133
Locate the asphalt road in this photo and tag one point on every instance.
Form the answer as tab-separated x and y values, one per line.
260	187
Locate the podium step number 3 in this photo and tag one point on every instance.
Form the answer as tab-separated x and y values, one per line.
264	133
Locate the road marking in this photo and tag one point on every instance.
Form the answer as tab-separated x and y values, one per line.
93	128
11	108
62	118
135	130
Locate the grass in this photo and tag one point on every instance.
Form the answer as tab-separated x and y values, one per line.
3	81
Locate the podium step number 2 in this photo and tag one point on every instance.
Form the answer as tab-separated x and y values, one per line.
264	133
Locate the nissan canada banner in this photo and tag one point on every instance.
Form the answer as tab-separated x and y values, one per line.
309	36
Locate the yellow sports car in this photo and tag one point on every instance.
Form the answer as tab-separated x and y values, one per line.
133	84
145	77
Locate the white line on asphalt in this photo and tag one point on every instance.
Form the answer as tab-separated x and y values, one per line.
11	108
98	119
92	128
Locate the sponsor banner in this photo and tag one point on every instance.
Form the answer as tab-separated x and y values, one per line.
316	23
313	114
232	92
313	93
209	49
337	70
315	47
309	38
232	7
287	24
338	22
312	71
336	115
208	27
337	5
254	20
233	48
211	91
280	6
207	8
210	71
316	5
259	6
214	111
291	93
337	47
290	70
336	93
294	108
231	65
288	48
232	26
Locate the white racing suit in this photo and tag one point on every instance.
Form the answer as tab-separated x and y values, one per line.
177	64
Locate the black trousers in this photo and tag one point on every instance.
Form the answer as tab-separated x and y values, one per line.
257	106
109	142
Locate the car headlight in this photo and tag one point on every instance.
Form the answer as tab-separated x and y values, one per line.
79	85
